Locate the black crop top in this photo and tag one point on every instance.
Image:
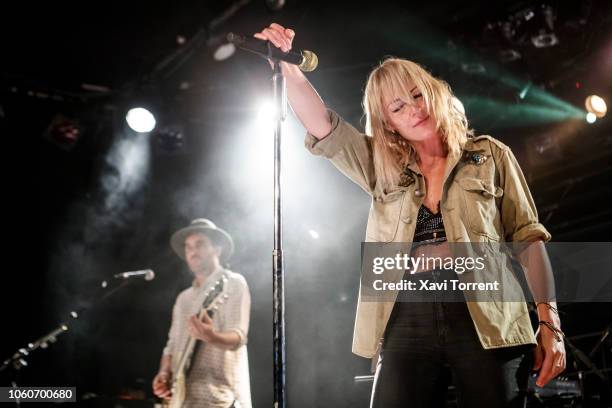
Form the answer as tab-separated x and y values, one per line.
429	227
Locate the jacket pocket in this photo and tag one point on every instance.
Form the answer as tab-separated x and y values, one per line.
384	216
480	206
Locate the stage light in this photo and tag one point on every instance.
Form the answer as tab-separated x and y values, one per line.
545	40
170	139
219	46
536	23
224	51
596	105
63	131
140	120
275	5
590	117
525	90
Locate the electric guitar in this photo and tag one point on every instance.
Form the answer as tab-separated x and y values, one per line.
213	298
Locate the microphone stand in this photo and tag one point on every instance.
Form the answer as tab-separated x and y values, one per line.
278	271
17	360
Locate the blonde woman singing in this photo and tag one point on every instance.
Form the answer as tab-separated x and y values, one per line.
432	182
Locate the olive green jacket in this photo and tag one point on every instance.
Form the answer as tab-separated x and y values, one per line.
485	198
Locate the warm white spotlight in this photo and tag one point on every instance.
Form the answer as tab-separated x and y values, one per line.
140	120
596	105
590	117
314	234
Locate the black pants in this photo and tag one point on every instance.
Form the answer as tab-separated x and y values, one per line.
428	343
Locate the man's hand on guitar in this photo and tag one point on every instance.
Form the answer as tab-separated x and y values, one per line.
161	385
202	329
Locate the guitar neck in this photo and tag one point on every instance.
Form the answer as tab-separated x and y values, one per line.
189	347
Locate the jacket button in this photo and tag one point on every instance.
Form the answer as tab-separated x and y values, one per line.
407	220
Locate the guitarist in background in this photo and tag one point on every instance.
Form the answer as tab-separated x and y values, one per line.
218	373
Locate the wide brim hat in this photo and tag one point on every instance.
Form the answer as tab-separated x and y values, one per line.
205	226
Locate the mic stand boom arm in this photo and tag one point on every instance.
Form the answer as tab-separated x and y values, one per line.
17	360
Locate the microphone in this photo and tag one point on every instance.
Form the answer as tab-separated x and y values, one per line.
306	60
147	274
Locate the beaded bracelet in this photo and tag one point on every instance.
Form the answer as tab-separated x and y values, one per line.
549	307
559	335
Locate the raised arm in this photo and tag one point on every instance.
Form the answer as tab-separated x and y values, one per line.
328	134
304	99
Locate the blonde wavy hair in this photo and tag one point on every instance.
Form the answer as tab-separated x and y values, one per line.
391	151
